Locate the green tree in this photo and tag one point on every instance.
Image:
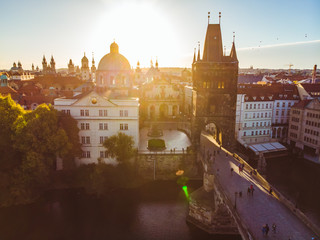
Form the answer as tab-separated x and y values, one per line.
120	146
69	124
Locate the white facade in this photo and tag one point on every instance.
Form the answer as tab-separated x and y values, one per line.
99	118
304	128
280	117
253	119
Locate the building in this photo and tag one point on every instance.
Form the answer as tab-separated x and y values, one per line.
100	117
215	78
253	117
304	128
48	68
71	68
114	72
85	70
105	110
160	100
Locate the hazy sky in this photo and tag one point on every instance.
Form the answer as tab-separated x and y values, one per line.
287	32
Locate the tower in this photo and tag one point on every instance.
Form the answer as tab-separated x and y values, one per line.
215	78
44	65
52	65
85	74
93	69
70	67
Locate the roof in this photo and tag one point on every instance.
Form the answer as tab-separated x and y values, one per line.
213	51
113	61
302	104
267	147
7	90
311	88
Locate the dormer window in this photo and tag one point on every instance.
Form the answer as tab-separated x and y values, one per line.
262	97
254	98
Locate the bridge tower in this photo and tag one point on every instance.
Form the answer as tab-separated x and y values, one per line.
215	78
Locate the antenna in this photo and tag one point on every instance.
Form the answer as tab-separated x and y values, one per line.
208	18
219	17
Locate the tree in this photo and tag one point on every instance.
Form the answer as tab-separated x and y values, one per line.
120	146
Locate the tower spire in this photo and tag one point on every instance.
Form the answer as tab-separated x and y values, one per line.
219	17
233	53
198	59
194	55
208	18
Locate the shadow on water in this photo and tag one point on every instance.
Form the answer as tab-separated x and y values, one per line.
299	180
156	210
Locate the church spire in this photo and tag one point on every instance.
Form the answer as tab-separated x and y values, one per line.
198	59
194	55
157	64
233	53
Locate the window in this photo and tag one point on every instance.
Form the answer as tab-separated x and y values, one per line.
123	126
268	132
100	126
264	132
267	105
246	106
81	112
264	124
87	126
282	112
262	106
254	115
103	113
244	133
105	126
246	116
254	106
259	106
86	154
85	140
266	115
253	124
82	126
258	115
123	113
250	106
277	113
260	132
102	139
87	112
283	104
103	154
278	104
68	112
260	124
245	124
252	133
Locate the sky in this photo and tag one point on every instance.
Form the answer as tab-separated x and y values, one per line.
268	34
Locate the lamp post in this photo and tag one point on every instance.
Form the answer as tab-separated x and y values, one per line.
235	200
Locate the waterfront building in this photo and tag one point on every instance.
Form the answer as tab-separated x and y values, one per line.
105	110
304	128
100	117
214	95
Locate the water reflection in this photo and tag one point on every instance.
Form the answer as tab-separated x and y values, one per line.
155	211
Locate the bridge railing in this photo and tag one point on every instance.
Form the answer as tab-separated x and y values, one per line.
267	186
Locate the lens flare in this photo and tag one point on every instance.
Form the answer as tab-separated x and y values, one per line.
185	189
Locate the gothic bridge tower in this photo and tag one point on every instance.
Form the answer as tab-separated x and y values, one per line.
215	78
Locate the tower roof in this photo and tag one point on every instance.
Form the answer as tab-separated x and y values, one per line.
233	53
213	50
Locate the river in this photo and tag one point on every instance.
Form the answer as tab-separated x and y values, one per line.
156	210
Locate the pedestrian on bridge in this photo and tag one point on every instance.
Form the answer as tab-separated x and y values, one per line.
267	229
274	228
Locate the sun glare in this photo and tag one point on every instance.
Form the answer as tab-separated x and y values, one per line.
142	32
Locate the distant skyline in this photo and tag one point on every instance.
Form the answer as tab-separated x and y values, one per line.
269	34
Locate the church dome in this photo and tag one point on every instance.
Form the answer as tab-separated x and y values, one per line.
84	59
113	61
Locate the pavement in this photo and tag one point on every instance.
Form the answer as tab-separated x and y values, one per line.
258	209
174	139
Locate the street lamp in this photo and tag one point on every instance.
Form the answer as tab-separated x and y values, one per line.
235	200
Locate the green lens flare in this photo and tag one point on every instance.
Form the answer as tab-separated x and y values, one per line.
185	189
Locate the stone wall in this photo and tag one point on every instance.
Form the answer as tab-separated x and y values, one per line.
165	166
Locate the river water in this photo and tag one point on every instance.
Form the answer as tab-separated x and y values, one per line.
156	210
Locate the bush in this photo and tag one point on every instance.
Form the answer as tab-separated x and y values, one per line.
156	144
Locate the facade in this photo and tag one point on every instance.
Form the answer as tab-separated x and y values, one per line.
99	117
215	89
253	118
304	128
160	100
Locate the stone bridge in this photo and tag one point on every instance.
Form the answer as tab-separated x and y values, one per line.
222	205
